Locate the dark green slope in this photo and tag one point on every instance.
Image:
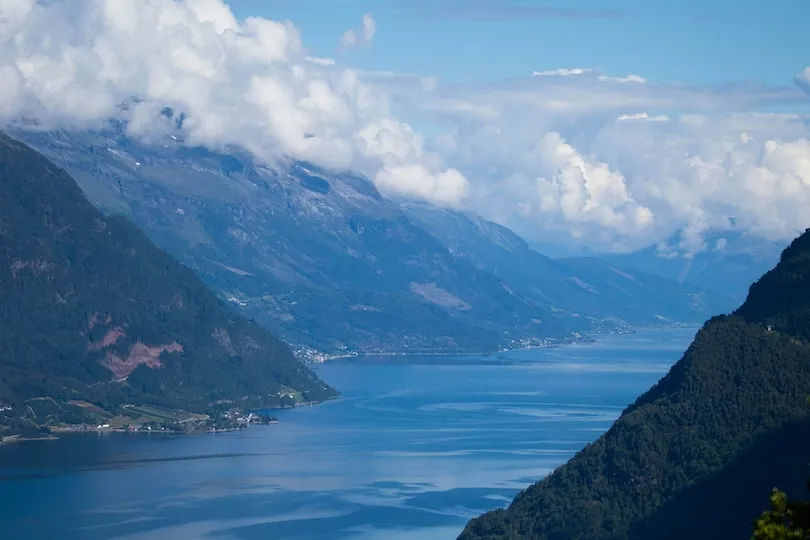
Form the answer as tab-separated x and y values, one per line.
726	424
91	310
725	504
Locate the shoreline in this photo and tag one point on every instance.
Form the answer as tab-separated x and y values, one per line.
58	432
86	429
589	339
11	439
583	339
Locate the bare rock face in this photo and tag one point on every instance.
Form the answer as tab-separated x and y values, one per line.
139	354
432	293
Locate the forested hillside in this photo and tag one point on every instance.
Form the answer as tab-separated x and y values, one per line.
697	455
92	312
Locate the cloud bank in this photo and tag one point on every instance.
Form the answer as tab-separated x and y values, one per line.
248	83
620	162
611	161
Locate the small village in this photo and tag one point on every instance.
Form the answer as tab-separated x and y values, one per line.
147	420
231	420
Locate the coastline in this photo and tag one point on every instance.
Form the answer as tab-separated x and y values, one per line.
64	431
11	439
82	429
86	429
582	339
549	344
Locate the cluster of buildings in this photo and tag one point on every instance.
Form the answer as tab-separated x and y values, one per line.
238	417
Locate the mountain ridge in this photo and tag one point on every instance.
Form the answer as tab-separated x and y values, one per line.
734	397
584	286
293	246
728	262
93	312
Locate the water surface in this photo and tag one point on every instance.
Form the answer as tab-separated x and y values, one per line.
413	449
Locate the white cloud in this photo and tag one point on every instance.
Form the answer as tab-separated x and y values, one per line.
249	83
321	61
585	190
448	187
560	153
355	37
557	188
628	79
562	72
13	12
698	175
643	117
693	160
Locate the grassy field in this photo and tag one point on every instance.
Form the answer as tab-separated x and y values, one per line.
159	414
91	409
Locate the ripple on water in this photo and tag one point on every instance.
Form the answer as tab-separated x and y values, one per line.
413	449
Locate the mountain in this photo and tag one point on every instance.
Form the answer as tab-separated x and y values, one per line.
697	455
320	258
583	287
636	296
91	312
330	265
731	261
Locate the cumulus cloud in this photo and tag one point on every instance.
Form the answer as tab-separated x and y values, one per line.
715	173
606	160
247	83
585	190
556	188
612	179
448	187
356	37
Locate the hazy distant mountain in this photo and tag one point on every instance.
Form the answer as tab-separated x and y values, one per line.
559	251
730	263
327	262
584	287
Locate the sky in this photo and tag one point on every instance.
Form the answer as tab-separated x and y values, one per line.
679	41
603	125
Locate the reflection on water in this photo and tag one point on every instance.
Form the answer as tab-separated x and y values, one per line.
415	448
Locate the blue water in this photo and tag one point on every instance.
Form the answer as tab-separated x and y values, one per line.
413	449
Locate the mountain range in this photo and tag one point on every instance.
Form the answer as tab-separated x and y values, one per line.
96	319
331	266
697	455
730	261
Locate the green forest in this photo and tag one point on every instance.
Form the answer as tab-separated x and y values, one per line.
698	455
91	311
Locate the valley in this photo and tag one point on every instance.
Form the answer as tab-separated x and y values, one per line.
133	342
387	270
